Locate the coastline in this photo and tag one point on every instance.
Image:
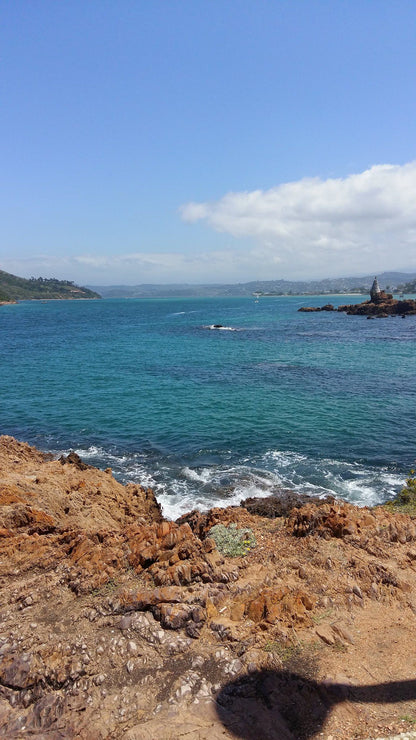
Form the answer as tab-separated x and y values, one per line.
301	393
380	305
102	596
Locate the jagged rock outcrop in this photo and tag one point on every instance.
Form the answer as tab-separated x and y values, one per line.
382	306
314	309
341	519
280	504
73	495
115	623
385	305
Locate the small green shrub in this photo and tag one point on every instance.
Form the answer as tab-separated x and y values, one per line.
408	718
405	501
232	541
318	618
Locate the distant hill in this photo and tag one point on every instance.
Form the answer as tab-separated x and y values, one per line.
409	287
13	288
390	281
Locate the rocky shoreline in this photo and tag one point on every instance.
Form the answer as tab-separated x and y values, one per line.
381	305
283	618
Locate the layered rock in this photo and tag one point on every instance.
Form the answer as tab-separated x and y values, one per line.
116	623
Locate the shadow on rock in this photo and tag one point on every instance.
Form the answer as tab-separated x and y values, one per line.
280	705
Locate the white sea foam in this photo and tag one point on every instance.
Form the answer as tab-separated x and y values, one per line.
97	453
216	486
355	482
91	451
284	459
181	313
181	488
203	476
217	327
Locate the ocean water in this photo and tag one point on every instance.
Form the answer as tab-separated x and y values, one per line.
315	402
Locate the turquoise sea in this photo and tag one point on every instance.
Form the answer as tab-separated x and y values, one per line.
314	402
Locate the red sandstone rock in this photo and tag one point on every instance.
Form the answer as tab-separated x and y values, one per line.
283	604
92	648
342	520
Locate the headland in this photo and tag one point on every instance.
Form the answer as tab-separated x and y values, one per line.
282	618
380	305
14	289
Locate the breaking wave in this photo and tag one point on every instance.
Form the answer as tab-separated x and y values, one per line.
180	488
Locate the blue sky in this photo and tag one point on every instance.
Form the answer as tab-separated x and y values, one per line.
207	141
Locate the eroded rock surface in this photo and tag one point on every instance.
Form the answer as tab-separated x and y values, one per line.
115	623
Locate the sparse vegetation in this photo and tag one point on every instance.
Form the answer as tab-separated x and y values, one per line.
106	588
408	718
301	659
232	541
340	647
318	618
405	501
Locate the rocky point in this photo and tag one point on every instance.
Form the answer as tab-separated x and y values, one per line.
116	623
381	305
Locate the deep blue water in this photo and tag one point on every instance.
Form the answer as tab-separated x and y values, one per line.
317	402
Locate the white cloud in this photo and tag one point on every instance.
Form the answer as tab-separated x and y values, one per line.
364	222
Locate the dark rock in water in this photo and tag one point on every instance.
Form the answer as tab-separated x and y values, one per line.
200	523
385	306
380	305
74	459
281	503
313	309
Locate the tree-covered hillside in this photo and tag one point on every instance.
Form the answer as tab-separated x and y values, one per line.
13	288
409	287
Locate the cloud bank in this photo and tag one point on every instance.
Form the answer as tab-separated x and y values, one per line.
365	222
134	268
361	224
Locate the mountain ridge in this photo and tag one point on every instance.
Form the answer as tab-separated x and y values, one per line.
391	281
